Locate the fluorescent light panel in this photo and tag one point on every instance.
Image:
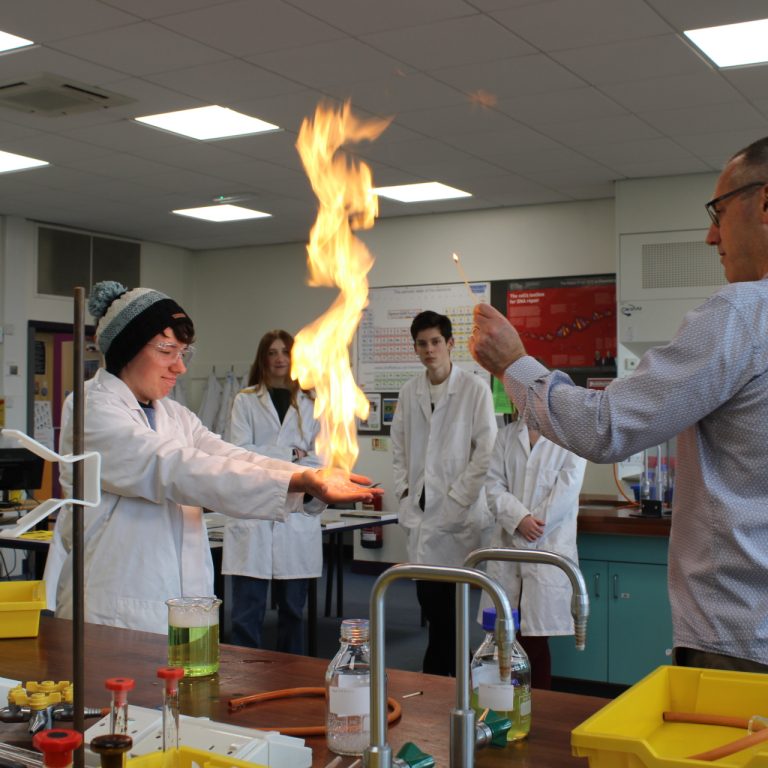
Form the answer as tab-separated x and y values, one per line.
208	123
415	193
9	42
222	213
733	45
11	162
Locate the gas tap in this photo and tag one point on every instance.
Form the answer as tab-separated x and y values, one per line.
463	734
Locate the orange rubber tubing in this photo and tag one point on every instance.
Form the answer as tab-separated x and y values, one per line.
393	714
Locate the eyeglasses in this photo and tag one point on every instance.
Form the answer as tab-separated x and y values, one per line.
171	353
711	206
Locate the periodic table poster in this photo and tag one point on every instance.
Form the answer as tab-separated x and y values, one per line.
384	353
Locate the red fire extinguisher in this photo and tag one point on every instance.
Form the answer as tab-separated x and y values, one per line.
372	536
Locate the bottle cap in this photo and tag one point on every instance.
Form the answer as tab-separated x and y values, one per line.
119	684
57	745
355	630
489	619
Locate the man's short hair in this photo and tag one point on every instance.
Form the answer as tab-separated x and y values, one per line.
755	156
430	319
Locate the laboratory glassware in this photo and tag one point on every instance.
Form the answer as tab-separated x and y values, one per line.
193	634
511	699
118	714
348	685
170	677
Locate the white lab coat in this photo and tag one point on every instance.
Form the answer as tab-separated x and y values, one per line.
449	450
543	481
146	541
259	548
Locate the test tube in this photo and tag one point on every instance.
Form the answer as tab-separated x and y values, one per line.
118	716
57	746
171	676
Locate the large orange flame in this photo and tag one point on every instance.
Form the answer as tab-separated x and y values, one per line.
320	354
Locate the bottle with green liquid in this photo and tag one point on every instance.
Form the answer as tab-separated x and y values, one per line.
488	692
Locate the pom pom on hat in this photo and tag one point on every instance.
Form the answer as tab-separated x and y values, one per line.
127	320
102	295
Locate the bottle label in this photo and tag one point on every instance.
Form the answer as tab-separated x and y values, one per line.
525	706
498	696
346	701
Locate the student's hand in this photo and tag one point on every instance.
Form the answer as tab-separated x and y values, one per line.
494	342
333	486
531	528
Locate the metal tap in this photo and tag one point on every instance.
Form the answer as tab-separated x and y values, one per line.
579	599
462	743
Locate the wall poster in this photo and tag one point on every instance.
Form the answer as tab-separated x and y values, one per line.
383	349
567	323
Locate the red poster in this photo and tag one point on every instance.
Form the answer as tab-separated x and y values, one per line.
567	322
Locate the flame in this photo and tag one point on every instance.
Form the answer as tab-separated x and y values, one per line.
320	353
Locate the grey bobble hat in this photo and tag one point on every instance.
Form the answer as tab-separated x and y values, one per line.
127	320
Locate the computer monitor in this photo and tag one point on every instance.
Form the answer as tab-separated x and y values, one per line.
20	470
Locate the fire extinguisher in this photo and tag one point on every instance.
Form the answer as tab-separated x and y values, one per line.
372	536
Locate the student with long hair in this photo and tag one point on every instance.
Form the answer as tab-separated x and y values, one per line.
273	416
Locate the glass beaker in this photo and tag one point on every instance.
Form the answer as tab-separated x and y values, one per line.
193	634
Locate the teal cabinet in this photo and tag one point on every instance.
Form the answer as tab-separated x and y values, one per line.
629	632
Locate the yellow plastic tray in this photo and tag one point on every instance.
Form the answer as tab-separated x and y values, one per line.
630	733
20	606
187	757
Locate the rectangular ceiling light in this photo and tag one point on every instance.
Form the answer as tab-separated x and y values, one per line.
10	42
222	213
733	45
208	123
11	162
417	193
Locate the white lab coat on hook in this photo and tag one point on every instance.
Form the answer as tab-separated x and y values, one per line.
291	549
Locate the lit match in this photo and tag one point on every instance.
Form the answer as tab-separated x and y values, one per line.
464	277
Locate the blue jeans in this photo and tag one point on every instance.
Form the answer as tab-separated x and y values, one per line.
249	604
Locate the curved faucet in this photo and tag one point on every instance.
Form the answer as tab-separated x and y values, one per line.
379	753
579	599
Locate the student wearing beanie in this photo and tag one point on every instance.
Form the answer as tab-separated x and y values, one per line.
146	541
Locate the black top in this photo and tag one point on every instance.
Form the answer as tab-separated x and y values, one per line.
281	399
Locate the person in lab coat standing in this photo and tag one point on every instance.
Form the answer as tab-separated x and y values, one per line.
275	417
533	492
442	436
146	540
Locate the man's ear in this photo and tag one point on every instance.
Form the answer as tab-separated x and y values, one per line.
450	343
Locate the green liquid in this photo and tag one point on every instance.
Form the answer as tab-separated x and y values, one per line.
520	716
194	648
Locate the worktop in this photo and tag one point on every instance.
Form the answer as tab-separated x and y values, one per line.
114	652
603	514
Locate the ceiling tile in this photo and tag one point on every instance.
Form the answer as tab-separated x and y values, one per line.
246	28
562	24
708	119
449	43
651	57
695	14
507	78
329	64
544	108
160	49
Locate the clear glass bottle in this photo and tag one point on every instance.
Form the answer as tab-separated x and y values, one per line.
487	689
348	689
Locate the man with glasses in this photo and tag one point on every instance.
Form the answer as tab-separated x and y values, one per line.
708	386
146	540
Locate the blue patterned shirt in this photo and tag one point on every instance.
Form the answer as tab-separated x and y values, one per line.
709	386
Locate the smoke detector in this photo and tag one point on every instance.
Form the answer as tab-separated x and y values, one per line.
50	95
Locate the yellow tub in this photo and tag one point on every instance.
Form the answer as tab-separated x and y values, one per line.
630	733
20	606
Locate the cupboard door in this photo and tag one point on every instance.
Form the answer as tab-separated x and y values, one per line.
640	624
592	662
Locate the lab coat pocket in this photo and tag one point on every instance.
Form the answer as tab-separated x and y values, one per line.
408	516
454	517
